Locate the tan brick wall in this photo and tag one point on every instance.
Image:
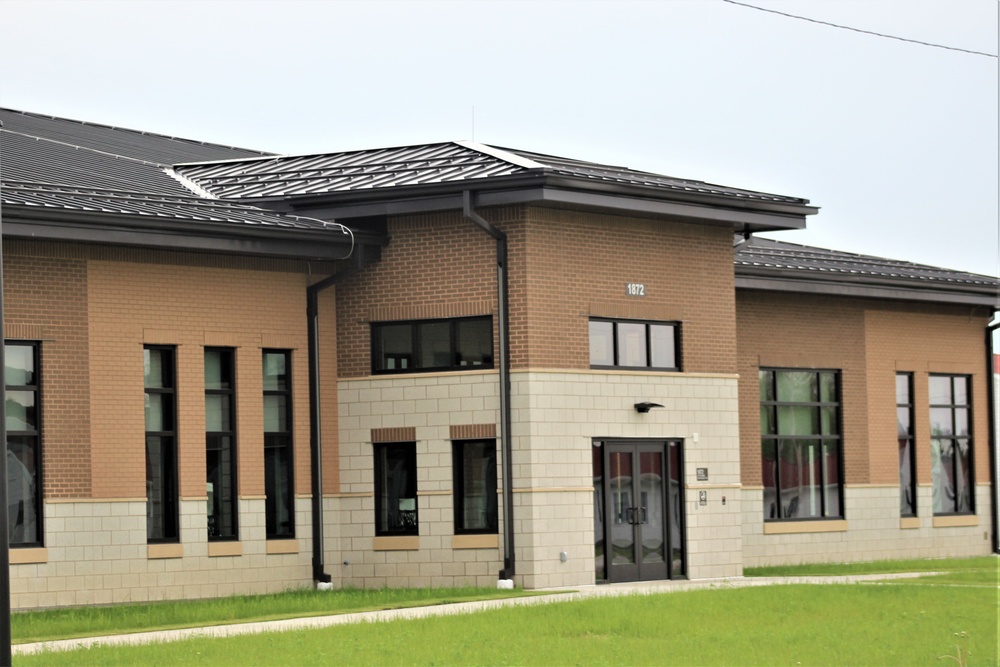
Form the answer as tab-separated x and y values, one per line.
564	266
45	299
868	341
578	264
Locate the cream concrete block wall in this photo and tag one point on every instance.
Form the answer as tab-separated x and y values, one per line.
430	403
556	415
96	553
873	531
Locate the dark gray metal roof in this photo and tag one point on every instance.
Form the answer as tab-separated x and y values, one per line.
450	162
68	175
763	263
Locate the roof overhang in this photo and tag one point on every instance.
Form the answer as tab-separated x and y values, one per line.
742	215
866	288
167	234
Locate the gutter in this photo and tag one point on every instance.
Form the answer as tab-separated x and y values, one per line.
503	326
320	575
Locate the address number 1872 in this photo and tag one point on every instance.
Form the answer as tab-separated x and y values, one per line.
635	289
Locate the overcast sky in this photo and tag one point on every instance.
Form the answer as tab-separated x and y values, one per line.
896	142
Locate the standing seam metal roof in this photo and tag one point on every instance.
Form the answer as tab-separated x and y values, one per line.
285	176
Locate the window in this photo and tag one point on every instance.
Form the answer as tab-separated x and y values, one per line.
432	345
800	444
279	487
951	446
220	444
161	445
620	343
396	488
475	486
907	462
24	455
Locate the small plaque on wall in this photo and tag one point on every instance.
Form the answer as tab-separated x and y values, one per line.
635	289
702	474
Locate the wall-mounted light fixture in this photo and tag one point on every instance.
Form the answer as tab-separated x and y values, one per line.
646	406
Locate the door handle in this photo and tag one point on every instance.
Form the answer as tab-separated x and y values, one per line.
644	514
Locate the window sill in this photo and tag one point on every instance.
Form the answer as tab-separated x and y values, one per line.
795	527
154	551
29	555
908	522
957	520
396	543
216	549
284	546
491	541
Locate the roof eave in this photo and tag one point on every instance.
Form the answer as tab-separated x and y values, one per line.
866	287
741	214
167	234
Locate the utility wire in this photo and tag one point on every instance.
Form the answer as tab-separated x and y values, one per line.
866	32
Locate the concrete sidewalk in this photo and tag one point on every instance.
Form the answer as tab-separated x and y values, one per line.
556	595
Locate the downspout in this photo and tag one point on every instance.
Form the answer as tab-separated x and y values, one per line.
315	432
992	436
504	353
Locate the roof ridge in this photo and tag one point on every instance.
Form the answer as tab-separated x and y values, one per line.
501	154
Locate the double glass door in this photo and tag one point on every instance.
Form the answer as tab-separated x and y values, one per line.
638	510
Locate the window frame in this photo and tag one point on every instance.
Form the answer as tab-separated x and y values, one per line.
954	439
459	488
416	328
382	528
907	444
230	434
286	446
171	513
821	438
35	435
616	350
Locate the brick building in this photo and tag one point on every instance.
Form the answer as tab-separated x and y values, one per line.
233	372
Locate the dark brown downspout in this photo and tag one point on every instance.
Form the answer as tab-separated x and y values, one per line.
504	353
315	432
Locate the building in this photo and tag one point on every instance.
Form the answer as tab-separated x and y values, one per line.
448	363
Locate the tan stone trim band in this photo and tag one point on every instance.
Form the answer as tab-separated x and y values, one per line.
394	434
591	371
433	493
955	521
472	431
282	546
66	501
154	551
360	494
699	485
396	543
475	542
216	549
909	522
29	556
556	489
798	527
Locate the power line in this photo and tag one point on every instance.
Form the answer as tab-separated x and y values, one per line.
866	32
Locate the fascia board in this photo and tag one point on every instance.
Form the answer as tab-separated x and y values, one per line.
285	243
952	295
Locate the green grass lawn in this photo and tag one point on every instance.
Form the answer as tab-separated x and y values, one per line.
910	622
35	626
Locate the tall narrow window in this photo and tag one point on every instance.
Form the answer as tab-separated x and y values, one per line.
24	455
396	488
475	486
800	444
951	444
220	444
161	445
907	462
279	481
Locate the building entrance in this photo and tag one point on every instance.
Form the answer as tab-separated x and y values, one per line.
638	510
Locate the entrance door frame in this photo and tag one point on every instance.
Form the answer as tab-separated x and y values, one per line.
605	508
